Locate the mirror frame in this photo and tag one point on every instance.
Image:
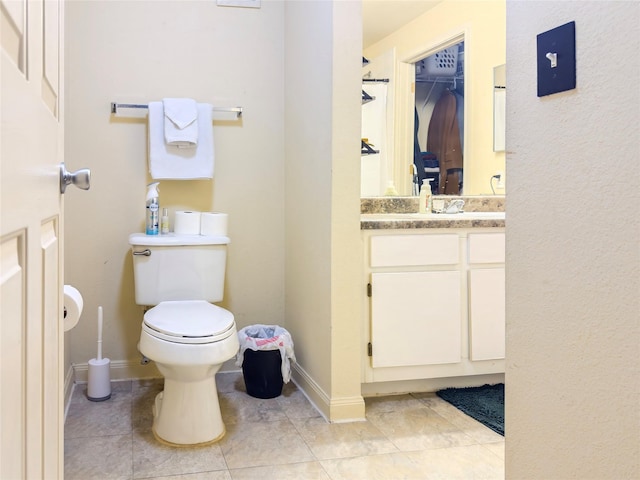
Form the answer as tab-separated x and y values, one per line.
499	107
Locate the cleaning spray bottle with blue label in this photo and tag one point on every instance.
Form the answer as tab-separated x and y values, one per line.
153	209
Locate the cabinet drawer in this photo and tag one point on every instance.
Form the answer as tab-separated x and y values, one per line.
414	250
486	248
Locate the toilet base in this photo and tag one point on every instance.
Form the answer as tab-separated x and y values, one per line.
188	413
185	445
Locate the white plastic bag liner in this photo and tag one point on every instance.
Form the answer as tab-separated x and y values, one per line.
267	337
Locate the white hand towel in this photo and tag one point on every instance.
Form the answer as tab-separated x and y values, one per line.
180	122
169	162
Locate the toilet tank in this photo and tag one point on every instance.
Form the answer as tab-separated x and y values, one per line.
178	267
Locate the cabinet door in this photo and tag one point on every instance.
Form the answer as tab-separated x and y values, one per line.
416	318
486	313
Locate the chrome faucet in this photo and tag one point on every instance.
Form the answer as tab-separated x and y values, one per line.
454	206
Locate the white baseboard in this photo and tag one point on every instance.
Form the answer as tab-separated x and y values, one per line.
345	409
119	370
337	410
68	389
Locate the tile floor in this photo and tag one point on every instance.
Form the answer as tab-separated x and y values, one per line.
416	436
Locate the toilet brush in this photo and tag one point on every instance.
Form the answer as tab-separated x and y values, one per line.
99	387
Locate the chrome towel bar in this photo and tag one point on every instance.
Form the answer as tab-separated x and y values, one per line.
115	106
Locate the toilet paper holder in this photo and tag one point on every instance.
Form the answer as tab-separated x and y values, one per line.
71	307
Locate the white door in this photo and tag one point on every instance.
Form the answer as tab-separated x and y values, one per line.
31	335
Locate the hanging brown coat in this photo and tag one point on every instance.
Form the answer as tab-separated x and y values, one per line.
443	140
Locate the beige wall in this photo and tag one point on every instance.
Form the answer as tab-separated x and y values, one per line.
144	51
573	376
322	125
293	202
483	25
308	185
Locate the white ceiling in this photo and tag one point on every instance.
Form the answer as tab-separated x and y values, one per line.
383	17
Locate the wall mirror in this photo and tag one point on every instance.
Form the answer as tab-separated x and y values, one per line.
406	94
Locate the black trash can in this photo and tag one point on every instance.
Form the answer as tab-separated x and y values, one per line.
265	354
262	372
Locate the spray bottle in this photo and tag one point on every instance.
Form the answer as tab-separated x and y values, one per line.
153	209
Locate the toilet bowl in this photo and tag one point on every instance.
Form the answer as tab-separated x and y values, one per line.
189	341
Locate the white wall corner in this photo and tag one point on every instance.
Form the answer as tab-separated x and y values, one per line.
314	393
347	409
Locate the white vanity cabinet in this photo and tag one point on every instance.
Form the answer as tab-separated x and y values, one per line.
415	300
434	304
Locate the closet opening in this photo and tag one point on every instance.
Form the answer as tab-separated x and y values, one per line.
438	145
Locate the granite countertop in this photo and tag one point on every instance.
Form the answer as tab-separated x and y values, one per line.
383	213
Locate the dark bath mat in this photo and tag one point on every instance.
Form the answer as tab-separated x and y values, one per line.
485	404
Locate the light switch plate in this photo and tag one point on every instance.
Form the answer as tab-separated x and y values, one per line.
560	41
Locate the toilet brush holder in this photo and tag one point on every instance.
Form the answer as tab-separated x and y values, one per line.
99	387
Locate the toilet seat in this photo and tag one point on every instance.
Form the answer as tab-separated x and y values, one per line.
189	321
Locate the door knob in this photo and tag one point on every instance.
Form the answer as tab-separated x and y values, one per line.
80	178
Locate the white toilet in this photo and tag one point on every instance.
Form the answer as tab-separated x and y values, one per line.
187	336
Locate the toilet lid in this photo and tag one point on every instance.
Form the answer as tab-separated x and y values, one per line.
189	319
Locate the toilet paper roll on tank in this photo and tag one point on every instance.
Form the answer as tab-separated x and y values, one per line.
200	223
214	223
73	304
186	223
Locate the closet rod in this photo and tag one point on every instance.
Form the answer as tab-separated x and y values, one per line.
438	80
115	106
372	80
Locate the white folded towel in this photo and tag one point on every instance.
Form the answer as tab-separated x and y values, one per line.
170	162
180	122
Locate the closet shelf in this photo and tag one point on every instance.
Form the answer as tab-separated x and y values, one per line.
444	79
